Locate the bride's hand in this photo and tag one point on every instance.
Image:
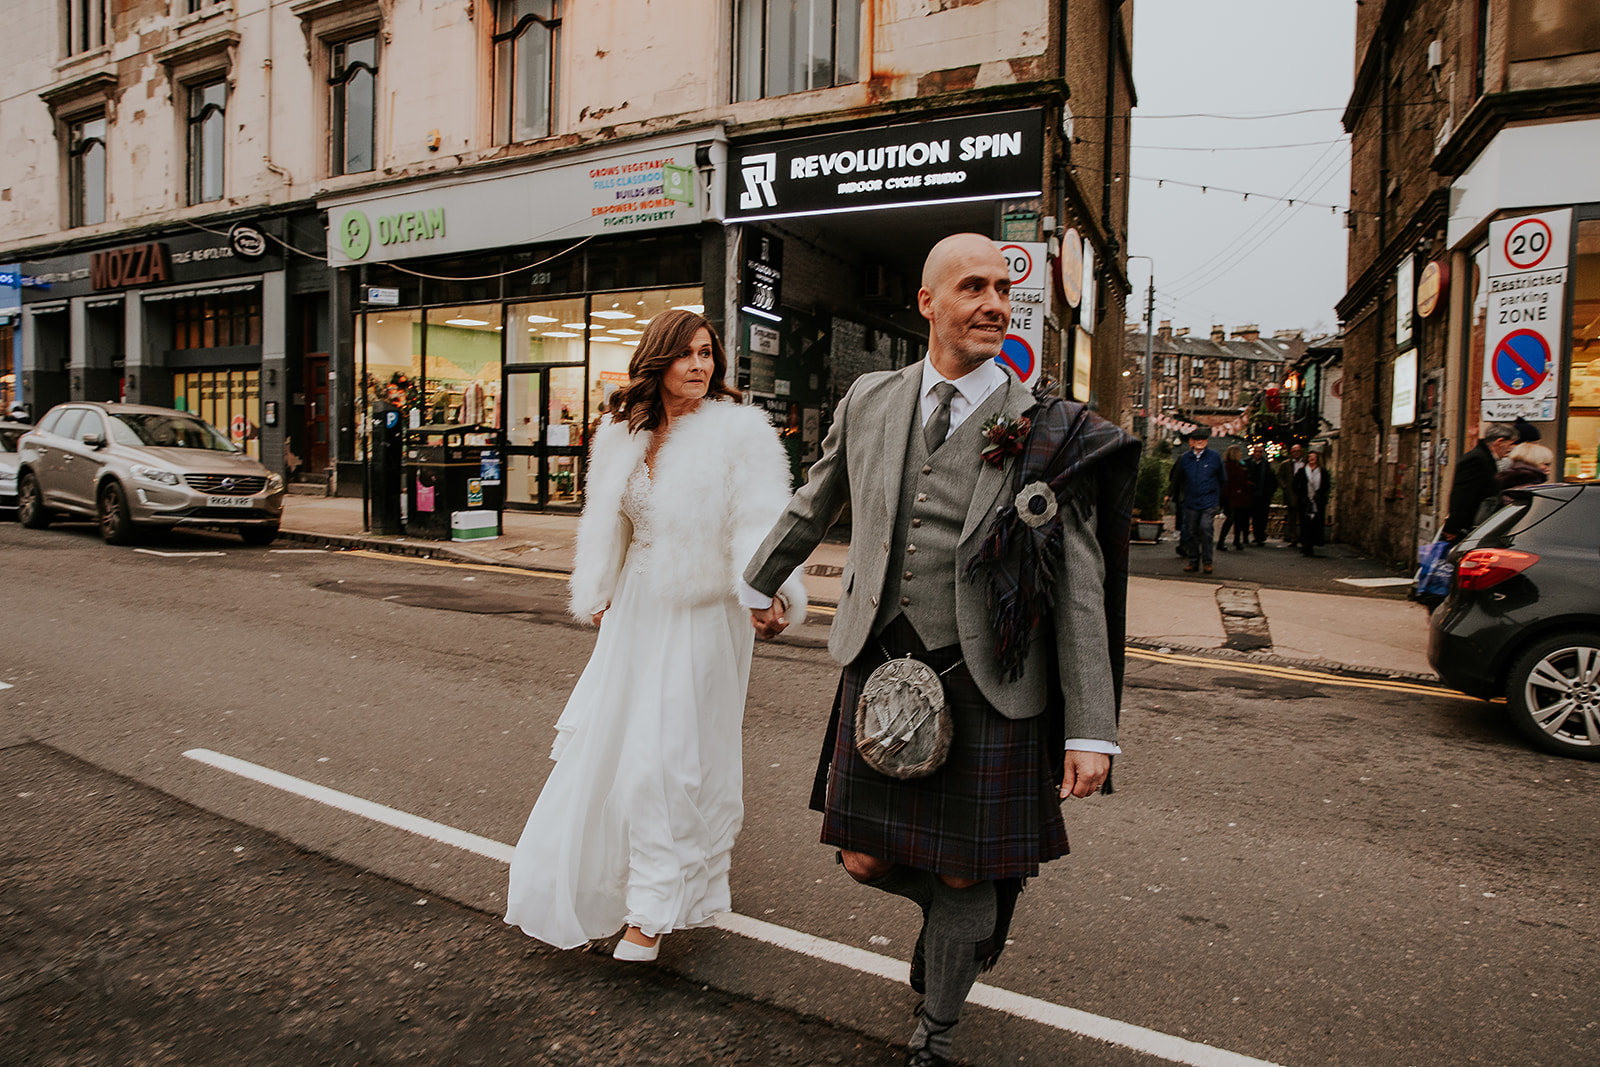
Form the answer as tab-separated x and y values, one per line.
770	621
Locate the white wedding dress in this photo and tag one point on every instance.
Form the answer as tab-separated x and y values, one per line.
636	822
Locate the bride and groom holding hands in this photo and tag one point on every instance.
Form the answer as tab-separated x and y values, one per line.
989	537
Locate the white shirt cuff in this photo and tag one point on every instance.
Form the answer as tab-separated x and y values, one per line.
753	598
1083	744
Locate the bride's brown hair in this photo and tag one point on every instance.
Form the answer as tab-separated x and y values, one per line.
665	339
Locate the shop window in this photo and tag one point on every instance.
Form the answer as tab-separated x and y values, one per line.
207	122
216	320
549	331
789	46
86	170
195	6
527	64
86	25
461	365
353	87
1582	460
390	347
229	399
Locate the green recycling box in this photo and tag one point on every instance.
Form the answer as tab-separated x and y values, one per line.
474	525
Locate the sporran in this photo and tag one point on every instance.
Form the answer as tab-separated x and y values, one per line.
903	724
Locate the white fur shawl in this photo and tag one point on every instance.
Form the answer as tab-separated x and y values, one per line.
721	481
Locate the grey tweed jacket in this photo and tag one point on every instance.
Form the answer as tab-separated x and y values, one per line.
862	461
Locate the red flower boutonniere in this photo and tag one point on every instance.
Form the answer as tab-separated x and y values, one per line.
1003	437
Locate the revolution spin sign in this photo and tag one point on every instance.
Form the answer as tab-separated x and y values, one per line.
1526	316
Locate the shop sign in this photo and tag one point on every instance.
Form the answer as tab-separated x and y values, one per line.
1431	287
1403	398
134	265
943	161
10	288
383	295
187	257
1404	302
1069	268
1023	348
761	279
247	242
1526	315
610	192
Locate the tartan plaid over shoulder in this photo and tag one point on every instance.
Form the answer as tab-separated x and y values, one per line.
1085	461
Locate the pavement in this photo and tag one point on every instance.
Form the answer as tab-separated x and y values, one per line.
1269	604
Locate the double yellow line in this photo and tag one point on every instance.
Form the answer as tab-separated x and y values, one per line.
1294	674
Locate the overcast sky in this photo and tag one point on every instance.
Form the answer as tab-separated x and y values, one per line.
1220	258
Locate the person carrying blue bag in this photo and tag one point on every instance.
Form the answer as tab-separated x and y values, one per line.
1434	572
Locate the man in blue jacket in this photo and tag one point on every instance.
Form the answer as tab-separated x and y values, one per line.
1199	483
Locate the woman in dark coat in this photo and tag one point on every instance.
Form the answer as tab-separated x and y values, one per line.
1311	488
1237	496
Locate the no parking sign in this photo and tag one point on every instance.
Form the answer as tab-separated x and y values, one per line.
1525	315
1024	345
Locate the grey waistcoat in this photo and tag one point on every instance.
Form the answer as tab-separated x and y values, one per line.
935	493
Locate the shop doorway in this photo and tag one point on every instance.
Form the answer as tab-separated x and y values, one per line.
316	411
545	436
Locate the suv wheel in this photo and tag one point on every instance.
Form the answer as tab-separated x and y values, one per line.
115	524
31	511
1553	694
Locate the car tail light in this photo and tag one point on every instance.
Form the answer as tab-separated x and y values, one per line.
1484	568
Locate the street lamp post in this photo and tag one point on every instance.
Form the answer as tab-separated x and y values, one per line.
1149	345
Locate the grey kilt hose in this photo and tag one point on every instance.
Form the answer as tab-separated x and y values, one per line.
992	811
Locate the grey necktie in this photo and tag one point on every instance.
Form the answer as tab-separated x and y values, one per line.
938	424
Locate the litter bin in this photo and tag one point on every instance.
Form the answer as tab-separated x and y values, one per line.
454	486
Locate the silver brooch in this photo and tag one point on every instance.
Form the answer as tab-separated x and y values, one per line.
1036	504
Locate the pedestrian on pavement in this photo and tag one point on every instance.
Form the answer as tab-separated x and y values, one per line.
1200	480
996	555
636	822
1529	463
1263	483
1311	488
1175	497
1236	496
1473	485
1287	470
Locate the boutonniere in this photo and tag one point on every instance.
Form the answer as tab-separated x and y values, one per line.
1004	436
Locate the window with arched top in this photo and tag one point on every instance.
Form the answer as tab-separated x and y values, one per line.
527	37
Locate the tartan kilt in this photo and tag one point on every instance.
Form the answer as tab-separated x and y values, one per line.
992	811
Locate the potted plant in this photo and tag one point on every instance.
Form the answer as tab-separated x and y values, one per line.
1148	490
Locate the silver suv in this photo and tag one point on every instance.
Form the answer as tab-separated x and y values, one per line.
127	466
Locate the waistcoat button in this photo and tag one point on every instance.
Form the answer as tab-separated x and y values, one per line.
927	470
908	576
922	497
905	602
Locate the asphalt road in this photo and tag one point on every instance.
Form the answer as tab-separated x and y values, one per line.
1294	868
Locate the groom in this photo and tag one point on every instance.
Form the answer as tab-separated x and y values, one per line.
1035	712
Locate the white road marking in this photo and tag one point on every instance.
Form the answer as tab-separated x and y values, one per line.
299	551
1374	583
153	552
367	809
1057	1016
5	685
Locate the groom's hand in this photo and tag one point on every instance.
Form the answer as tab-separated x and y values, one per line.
769	621
1085	772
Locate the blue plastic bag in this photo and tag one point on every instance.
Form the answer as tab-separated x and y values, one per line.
1434	572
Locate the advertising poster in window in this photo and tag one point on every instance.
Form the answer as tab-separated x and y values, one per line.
1526	316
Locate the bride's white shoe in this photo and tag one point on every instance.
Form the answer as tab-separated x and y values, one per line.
632	952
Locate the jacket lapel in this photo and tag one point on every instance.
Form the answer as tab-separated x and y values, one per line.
904	405
993	480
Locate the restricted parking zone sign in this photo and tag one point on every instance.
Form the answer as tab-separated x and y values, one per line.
1525	315
1024	344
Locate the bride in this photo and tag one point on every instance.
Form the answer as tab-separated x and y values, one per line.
636	822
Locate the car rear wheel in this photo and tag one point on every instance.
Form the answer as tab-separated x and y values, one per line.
116	526
1553	694
31	511
259	535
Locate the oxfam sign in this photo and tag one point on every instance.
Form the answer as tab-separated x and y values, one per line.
356	231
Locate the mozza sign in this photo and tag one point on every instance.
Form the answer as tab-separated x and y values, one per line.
986	157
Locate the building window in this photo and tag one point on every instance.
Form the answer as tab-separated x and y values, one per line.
194	6
1197	392
1169	394
354	85
1582	458
207	120
1197	366
86	25
526	41
228	399
1169	366
1225	369
1224	394
789	46
219	320
86	153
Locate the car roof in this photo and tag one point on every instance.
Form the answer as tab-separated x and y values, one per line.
126	409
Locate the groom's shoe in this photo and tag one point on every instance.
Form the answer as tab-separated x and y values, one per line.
919	964
923	1058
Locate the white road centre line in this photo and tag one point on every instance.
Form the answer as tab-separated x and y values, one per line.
1056	1016
367	809
172	555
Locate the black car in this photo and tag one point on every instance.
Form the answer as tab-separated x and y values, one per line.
1522	619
